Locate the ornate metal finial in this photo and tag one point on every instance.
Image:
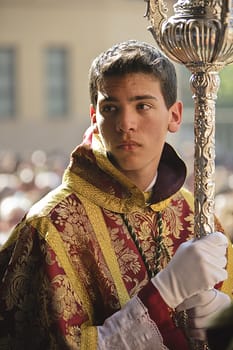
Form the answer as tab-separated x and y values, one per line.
200	36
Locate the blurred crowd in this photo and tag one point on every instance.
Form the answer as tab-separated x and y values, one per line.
25	179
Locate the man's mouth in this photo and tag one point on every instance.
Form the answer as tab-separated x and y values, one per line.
128	145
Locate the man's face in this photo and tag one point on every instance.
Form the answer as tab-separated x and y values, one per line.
132	120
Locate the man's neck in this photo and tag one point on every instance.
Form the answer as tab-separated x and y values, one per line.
142	183
151	185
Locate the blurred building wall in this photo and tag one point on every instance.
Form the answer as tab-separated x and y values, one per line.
84	28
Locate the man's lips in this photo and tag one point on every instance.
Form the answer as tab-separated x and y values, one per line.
128	145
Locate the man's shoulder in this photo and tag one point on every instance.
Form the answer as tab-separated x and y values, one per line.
46	204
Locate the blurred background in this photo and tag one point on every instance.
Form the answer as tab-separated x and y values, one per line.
46	48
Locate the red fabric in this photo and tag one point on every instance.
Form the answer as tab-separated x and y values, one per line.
160	313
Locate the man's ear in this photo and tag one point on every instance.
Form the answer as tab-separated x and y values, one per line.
93	118
92	114
175	118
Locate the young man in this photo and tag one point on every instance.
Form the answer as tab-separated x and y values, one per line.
108	259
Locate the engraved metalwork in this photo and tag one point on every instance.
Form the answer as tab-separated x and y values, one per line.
200	36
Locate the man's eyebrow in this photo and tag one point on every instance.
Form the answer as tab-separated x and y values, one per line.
133	98
109	98
143	97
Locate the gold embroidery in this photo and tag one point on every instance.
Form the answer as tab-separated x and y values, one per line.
17	280
172	217
63	302
96	218
168	240
73	337
54	240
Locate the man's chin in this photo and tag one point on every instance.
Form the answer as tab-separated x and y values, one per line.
124	165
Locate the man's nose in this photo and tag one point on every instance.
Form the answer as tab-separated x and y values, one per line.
126	121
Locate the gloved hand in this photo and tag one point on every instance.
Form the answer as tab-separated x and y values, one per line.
197	265
201	308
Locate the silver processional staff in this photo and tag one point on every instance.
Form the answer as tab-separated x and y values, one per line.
200	36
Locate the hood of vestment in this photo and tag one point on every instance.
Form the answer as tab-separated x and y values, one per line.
92	175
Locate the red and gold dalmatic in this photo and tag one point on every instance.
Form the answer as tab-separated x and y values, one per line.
72	262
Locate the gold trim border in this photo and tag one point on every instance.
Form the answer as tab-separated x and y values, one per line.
99	226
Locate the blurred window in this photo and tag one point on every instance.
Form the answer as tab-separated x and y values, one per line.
7	82
57	82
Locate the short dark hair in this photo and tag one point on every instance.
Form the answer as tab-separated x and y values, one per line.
133	57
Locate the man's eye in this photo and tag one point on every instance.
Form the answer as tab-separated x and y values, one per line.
108	108
143	106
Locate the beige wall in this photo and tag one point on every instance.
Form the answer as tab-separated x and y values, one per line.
86	28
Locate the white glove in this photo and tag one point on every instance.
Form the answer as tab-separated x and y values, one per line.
201	308
197	265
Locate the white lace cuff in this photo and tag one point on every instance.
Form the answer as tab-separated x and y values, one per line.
130	329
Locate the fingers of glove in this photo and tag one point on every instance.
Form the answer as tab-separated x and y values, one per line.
204	303
218	238
214	244
200	316
209	263
207	247
202	250
192	269
220	261
214	239
213	274
200	299
196	276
